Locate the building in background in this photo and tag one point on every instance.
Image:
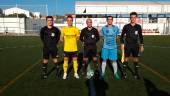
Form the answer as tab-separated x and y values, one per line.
15	20
153	16
36	14
16	10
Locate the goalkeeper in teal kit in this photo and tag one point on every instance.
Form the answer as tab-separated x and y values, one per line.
109	49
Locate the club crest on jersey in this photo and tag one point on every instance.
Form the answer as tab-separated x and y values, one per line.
52	34
92	36
136	32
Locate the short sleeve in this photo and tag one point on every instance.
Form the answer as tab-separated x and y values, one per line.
77	32
102	31
62	32
118	31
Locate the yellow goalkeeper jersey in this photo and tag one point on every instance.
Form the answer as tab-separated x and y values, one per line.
70	36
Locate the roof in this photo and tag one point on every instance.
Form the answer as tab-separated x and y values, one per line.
122	2
15	8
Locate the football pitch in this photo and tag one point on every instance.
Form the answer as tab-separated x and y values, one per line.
20	70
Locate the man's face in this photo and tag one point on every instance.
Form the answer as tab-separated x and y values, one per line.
49	21
89	23
133	18
69	21
110	21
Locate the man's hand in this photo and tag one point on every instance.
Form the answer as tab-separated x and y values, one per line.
83	44
122	46
61	39
141	48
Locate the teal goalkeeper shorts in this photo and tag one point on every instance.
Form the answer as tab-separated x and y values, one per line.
110	54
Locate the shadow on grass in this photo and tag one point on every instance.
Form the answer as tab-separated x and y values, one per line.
96	87
152	90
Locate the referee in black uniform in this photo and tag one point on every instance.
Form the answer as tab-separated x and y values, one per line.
130	44
50	36
89	36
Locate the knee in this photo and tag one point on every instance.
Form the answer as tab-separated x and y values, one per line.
74	58
135	60
94	59
65	59
126	59
55	60
44	61
85	59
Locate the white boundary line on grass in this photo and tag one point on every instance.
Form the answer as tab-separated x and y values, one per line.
156	73
14	47
164	47
31	46
3	88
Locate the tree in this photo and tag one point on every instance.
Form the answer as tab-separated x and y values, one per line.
17	15
31	14
1	12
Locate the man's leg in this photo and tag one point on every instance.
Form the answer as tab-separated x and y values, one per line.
85	61
104	57
84	65
135	53
44	68
113	58
95	61
45	62
75	66
57	67
96	68
115	68
55	60
103	68
125	67
136	67
127	51
65	67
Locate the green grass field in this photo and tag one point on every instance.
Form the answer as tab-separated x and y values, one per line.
20	70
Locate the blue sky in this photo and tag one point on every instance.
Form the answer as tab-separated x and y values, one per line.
60	7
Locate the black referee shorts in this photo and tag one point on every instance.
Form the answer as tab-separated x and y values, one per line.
132	49
70	54
47	52
90	52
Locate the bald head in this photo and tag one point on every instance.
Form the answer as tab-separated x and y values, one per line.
89	23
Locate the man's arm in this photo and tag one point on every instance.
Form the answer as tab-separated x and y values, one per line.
141	39
62	35
118	33
82	36
77	34
97	36
122	38
58	33
140	35
42	34
102	34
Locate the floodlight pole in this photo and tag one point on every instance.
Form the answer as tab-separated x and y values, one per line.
46	9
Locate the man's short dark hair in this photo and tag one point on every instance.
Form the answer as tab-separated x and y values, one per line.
109	17
49	17
69	16
133	13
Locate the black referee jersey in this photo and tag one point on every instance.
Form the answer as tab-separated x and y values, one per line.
89	37
133	33
50	37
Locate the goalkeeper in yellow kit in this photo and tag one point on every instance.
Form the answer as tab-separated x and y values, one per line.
70	36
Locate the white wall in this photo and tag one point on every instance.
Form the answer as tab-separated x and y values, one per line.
12	25
148	28
104	9
16	10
